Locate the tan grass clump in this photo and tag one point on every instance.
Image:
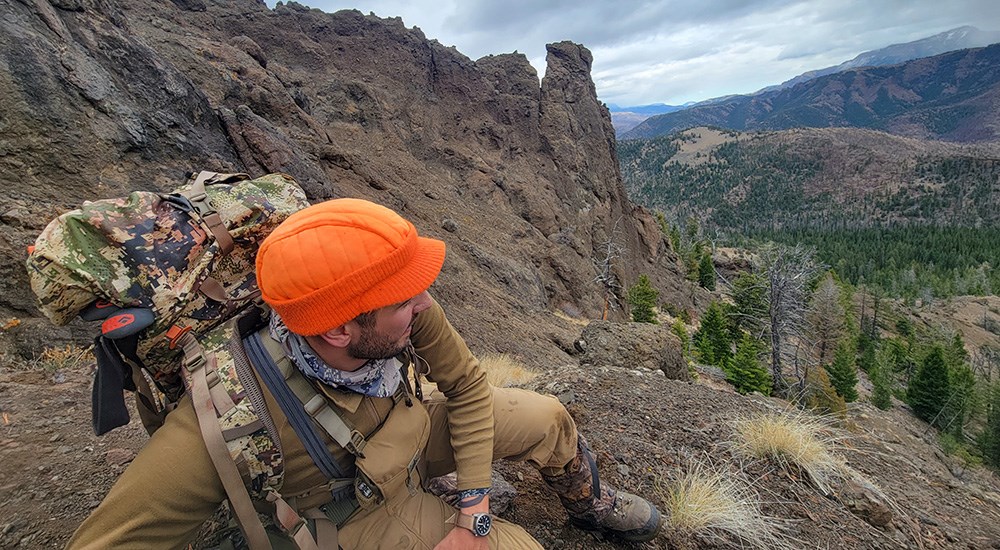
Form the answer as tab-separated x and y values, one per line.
797	438
719	506
574	320
68	357
504	371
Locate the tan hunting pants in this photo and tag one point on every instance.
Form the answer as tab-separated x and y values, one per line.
527	426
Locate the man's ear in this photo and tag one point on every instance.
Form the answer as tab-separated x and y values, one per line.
338	337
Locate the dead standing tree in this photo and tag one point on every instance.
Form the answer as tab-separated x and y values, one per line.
826	317
788	272
605	266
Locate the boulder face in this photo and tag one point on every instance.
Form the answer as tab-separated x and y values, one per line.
102	97
633	346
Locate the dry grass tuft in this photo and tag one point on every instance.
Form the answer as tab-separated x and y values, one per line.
504	371
721	507
798	438
68	357
574	320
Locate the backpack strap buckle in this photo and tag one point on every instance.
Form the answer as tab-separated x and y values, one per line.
174	335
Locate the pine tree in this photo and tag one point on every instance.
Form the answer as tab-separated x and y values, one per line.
712	338
929	388
881	378
749	305
843	373
820	396
827	317
745	371
989	441
706	272
642	298
680	330
960	404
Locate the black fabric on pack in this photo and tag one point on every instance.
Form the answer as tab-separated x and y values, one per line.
108	410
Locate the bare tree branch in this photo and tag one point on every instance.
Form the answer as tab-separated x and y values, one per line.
605	267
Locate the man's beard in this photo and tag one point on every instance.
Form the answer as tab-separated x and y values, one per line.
374	345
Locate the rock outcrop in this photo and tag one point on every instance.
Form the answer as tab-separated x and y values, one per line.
633	346
101	97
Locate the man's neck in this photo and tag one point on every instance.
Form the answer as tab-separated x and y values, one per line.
336	358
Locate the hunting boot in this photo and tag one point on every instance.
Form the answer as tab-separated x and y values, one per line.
597	506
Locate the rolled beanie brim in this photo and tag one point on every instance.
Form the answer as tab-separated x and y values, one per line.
328	307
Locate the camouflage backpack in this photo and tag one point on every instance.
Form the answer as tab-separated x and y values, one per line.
172	278
154	267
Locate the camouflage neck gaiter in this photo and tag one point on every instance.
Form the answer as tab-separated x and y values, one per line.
376	378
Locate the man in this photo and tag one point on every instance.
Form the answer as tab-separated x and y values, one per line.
347	282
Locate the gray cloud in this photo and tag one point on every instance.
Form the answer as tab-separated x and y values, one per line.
673	51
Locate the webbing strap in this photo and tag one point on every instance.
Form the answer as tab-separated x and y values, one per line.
220	395
199	200
195	363
317	407
326	528
293	524
291	406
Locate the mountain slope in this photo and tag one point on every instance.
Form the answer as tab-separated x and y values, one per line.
953	97
625	118
955	39
813	177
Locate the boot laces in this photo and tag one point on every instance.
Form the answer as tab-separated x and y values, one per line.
621	504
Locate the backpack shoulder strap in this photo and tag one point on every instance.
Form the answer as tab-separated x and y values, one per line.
196	363
315	405
274	377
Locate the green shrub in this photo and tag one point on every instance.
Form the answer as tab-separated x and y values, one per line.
745	371
642	299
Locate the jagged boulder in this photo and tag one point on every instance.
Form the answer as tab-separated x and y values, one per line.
633	346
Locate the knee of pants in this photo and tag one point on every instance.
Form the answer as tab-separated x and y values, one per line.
533	427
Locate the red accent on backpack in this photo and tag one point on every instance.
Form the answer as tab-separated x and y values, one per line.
116	322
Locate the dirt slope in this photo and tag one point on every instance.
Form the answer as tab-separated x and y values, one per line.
647	431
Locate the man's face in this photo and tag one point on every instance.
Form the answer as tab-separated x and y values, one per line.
390	333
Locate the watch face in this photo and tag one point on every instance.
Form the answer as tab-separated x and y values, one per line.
481	524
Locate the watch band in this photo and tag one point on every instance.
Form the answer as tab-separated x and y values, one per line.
479	524
465	521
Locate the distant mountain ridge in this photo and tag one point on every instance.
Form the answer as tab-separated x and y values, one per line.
959	38
952	97
625	118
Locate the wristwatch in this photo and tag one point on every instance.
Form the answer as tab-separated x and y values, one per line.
479	524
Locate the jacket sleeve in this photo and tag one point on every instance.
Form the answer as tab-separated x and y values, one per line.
470	399
163	497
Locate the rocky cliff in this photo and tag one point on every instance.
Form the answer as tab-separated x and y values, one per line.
102	97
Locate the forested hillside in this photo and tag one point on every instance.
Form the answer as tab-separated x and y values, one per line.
914	217
829	178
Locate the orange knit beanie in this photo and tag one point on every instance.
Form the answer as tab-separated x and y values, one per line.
328	263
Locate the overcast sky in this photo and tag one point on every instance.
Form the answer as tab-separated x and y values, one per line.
675	51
